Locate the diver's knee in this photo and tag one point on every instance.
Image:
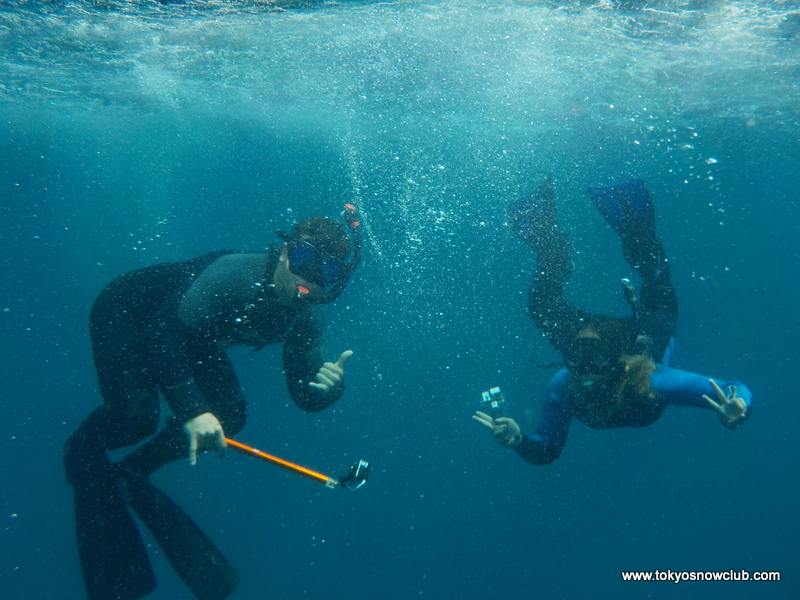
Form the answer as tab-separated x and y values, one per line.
139	418
72	457
143	426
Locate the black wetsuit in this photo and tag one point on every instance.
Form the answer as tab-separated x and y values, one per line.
142	347
164	330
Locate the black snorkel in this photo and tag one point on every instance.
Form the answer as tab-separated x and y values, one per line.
633	301
639	342
319	294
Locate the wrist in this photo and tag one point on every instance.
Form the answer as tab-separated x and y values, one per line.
514	442
523	445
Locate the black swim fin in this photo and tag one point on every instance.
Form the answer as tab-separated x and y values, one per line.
535	217
203	568
113	557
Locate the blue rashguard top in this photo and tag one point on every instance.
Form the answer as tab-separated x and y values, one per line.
672	387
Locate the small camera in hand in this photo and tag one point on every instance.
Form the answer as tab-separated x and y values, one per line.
493	401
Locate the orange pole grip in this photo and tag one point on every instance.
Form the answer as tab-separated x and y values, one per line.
244	449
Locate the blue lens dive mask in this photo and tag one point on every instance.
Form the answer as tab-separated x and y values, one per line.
308	263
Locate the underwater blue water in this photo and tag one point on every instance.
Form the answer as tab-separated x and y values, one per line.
139	132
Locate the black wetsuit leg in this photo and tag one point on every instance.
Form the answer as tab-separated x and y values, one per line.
130	393
558	320
658	301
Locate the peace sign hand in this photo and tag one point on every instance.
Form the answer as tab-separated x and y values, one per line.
506	431
732	411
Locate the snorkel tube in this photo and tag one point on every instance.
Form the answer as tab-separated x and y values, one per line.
320	296
632	301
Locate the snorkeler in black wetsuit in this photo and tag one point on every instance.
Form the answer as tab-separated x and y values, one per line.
617	372
164	329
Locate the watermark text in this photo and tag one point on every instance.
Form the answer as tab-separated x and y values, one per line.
678	576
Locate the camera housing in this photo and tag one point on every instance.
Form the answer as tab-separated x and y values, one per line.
357	476
493	401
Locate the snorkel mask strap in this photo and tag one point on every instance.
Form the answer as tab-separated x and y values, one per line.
353	220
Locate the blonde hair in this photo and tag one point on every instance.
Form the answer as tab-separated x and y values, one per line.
631	393
635	382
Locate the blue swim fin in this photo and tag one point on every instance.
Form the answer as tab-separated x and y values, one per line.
627	207
535	217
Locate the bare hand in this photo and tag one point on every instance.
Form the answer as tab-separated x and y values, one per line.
330	376
506	431
204	432
731	410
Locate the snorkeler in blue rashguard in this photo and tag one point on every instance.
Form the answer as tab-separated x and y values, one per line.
617	372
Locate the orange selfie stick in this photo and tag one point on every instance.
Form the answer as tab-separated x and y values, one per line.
353	480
